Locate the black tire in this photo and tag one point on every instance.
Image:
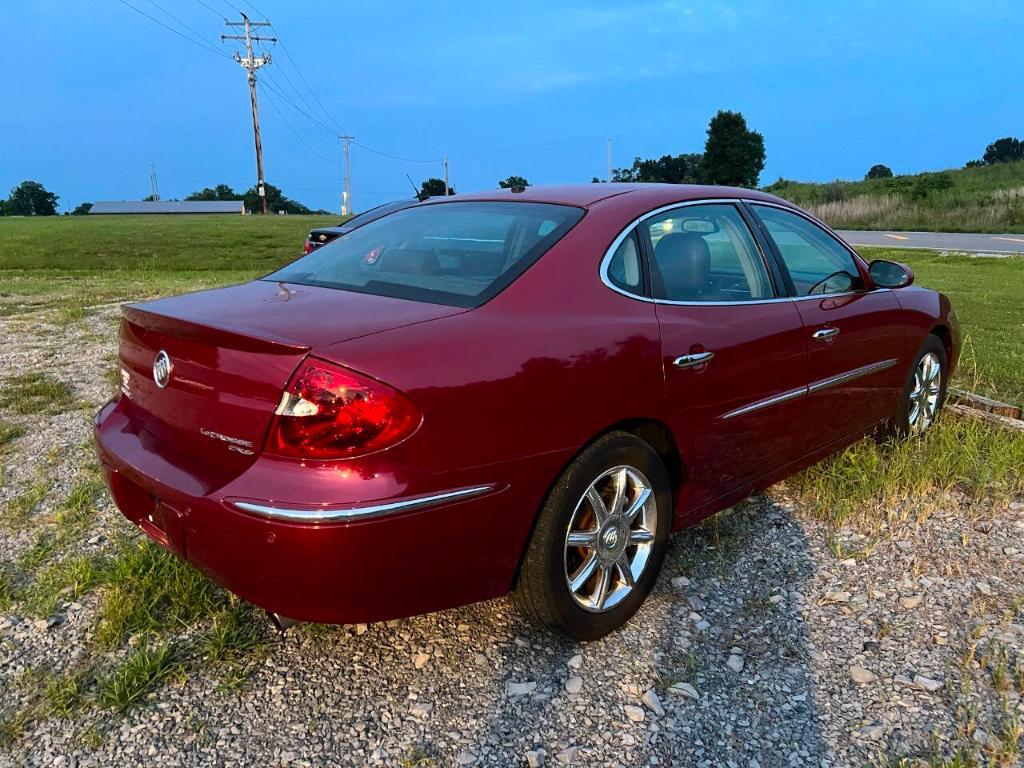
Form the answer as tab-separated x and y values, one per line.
542	591
900	427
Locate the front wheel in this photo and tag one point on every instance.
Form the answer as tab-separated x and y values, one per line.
599	540
924	391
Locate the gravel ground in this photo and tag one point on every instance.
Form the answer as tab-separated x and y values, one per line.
759	647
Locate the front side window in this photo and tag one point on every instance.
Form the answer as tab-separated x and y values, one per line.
816	261
706	253
458	253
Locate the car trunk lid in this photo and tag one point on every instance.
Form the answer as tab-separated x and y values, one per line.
231	353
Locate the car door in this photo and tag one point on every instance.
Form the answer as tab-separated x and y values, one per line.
855	335
733	350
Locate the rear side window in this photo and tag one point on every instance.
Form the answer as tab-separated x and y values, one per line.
460	254
816	261
706	253
624	268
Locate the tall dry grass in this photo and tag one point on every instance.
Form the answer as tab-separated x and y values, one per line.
999	213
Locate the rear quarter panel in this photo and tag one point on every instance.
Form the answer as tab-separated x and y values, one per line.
543	367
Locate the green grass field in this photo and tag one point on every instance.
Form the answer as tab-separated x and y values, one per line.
69	264
986	294
158	621
97	244
983	199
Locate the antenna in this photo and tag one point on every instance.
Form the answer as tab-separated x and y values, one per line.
415	189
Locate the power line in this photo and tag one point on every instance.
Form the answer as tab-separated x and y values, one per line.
211	9
272	84
306	82
257	10
298	71
156	5
234	8
290	126
292	85
182	35
395	157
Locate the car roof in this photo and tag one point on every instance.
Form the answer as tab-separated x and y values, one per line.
586	195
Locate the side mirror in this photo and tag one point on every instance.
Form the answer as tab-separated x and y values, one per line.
890	274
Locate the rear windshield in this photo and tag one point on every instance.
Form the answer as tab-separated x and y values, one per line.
460	254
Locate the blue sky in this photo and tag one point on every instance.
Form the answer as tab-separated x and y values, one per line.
94	92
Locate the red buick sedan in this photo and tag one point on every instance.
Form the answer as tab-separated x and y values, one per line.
521	391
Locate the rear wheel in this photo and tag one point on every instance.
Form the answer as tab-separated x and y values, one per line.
600	539
924	391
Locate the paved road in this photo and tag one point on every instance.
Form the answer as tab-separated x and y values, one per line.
939	241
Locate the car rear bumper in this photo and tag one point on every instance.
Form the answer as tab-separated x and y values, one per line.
432	543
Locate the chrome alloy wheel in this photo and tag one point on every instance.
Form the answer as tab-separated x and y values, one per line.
610	538
924	396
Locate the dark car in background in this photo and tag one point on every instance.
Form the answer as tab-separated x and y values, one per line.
323	235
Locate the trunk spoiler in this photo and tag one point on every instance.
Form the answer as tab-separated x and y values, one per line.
223	335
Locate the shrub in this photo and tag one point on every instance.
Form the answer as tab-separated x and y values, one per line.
930	182
879	172
834	192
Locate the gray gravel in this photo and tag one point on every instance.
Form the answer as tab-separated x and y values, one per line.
758	647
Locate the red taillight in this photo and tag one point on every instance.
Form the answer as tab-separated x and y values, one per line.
329	412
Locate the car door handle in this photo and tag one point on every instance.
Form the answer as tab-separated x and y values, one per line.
692	361
825	333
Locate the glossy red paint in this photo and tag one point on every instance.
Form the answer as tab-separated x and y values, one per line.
509	393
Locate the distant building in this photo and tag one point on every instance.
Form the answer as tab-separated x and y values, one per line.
168	206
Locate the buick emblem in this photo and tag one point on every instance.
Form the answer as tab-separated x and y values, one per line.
162	369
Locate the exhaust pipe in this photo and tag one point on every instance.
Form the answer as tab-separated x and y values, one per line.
281	622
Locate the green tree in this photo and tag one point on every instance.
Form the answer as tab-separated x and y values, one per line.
879	172
733	155
276	201
668	169
30	198
81	209
511	181
434	188
219	192
1005	150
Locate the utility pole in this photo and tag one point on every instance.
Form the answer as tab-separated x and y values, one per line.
152	181
251	63
446	175
346	193
609	159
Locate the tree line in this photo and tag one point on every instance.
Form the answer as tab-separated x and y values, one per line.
733	156
276	200
1004	150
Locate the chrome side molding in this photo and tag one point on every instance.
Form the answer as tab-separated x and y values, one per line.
784	397
346	514
816	386
856	373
